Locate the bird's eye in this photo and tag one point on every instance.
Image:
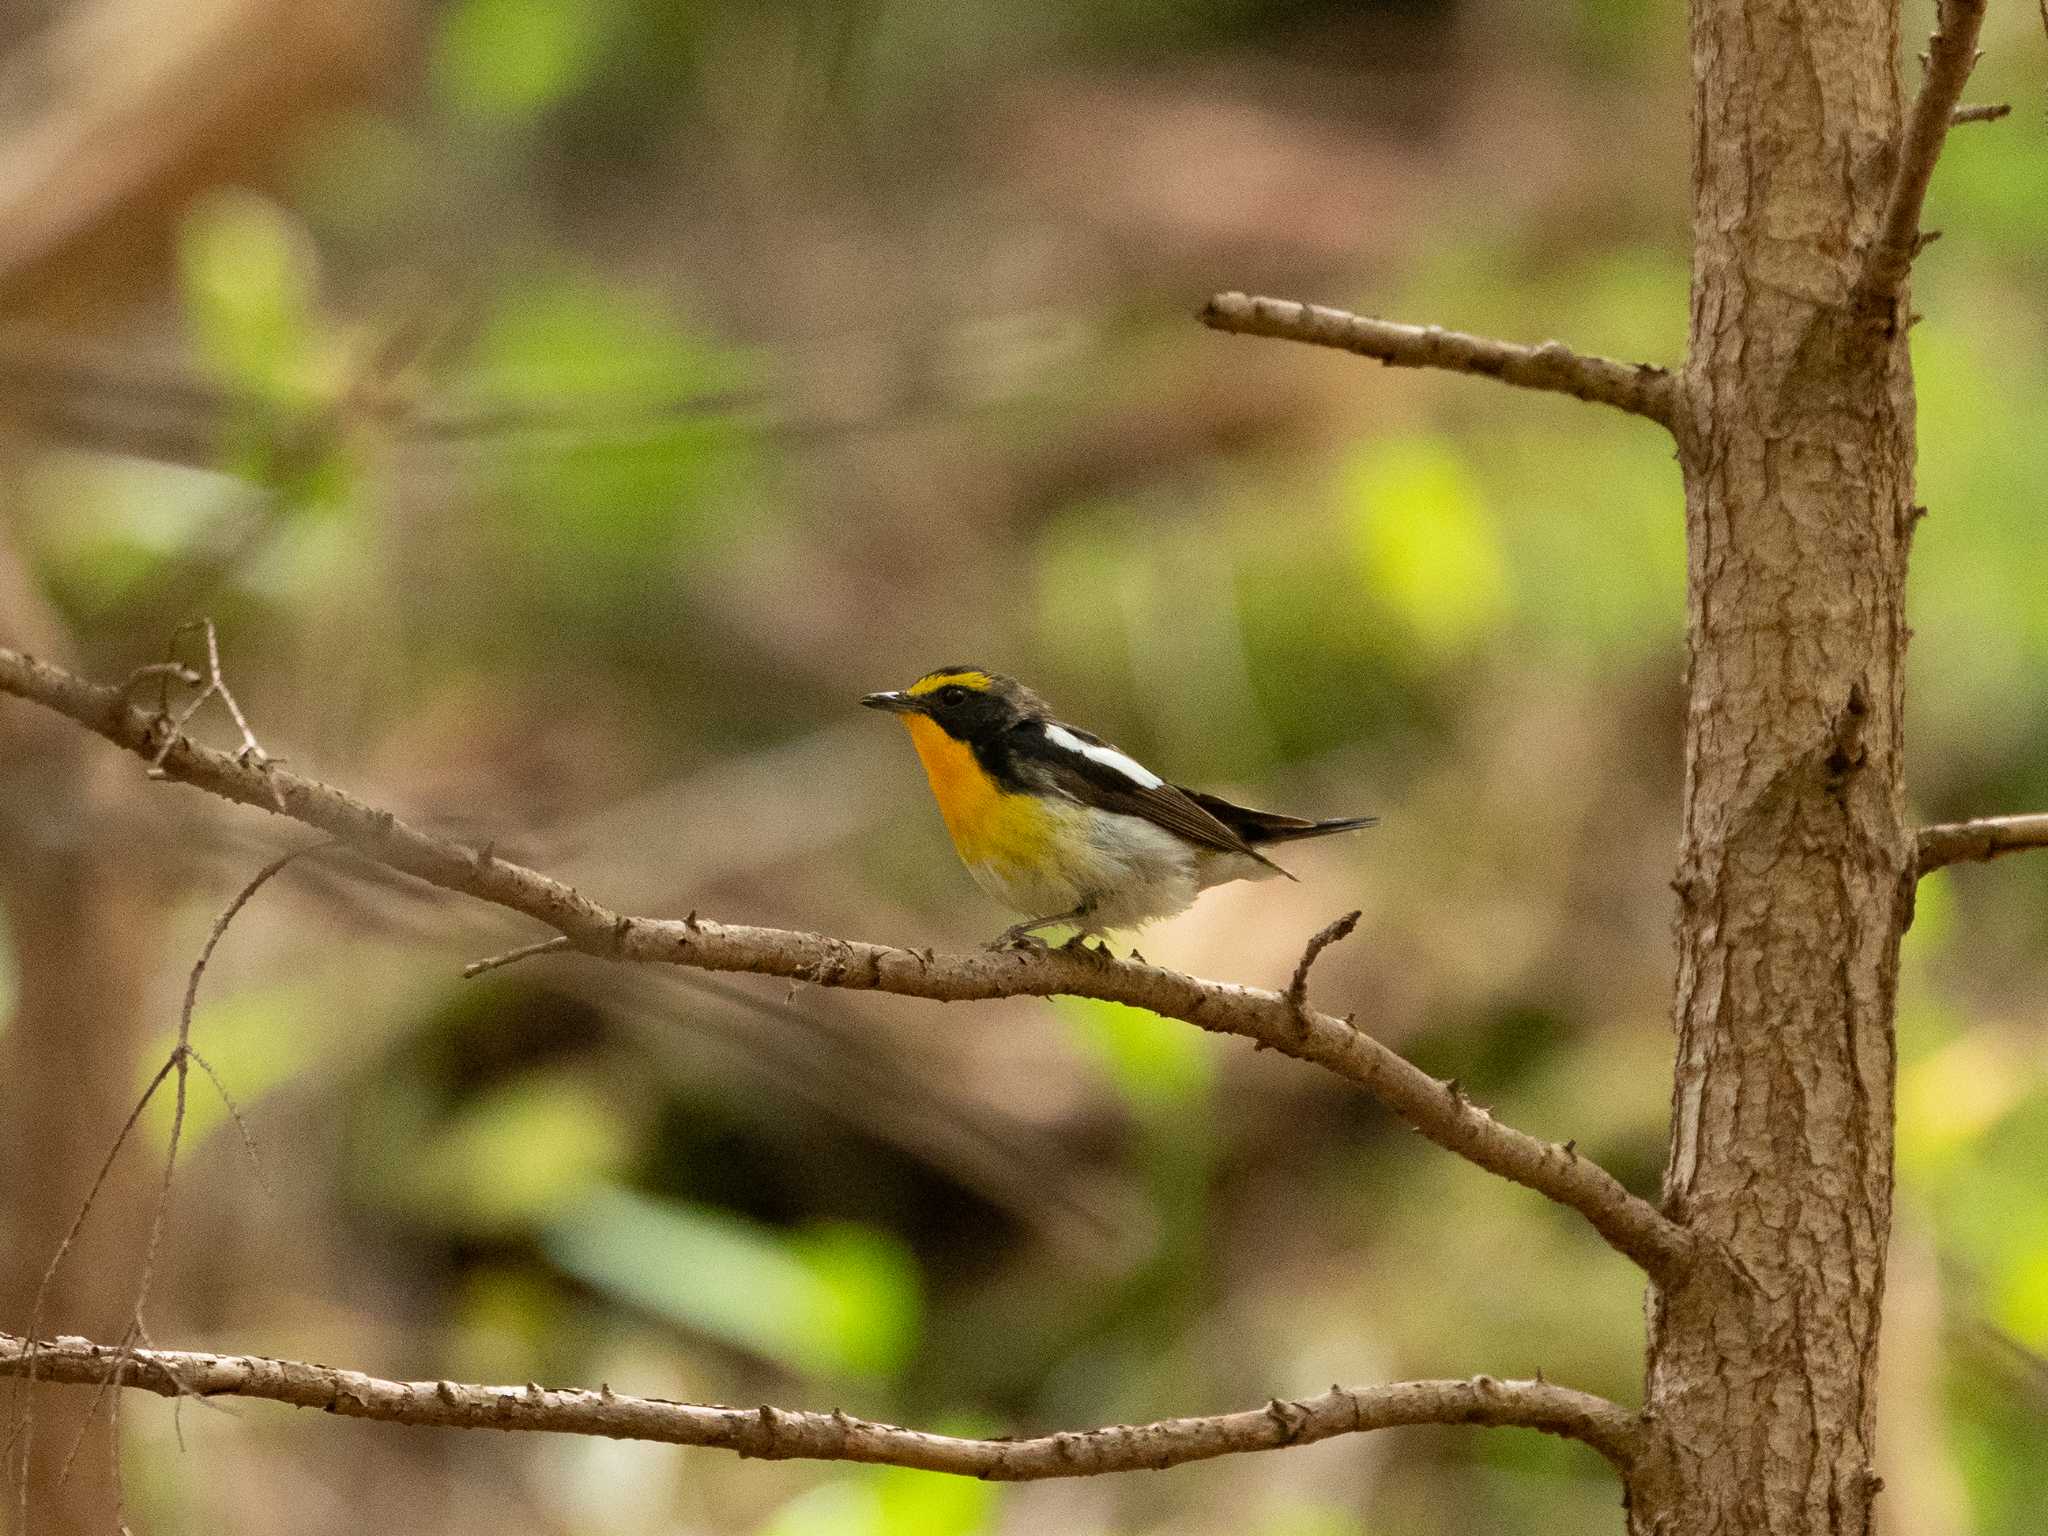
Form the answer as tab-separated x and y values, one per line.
952	694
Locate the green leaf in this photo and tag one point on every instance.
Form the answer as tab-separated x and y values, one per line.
517	1156
1160	1066
512	59
257	1039
2022	1300
1424	540
251	283
656	454
837	1300
932	1504
888	1501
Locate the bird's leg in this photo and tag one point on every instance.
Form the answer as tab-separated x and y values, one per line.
1019	935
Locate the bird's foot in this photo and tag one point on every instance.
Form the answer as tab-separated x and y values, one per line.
1020	937
1079	945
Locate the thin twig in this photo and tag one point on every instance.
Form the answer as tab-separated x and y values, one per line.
178	1062
24	1432
1632	1225
1990	112
1332	933
786	1434
241	1122
1641	389
513	956
215	687
1988	837
1951	55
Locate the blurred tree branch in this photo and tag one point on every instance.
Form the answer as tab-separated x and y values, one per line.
1642	389
1278	1020
1967	842
779	1434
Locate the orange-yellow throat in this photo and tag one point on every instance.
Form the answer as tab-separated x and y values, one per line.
988	825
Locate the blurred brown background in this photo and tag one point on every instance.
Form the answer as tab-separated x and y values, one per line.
567	408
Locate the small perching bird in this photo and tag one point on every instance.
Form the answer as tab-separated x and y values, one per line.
1052	820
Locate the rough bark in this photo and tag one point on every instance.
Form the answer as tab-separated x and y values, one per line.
1796	441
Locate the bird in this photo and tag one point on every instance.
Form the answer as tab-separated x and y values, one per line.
1054	822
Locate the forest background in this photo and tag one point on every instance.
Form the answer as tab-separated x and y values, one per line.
566	411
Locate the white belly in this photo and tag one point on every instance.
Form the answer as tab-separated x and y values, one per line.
1123	869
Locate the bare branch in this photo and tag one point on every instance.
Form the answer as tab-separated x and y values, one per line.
1630	1224
179	1061
1990	112
476	968
1965	842
1334	933
779	1434
1638	388
215	687
1951	55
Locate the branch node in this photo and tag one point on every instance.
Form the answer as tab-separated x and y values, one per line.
1289	1417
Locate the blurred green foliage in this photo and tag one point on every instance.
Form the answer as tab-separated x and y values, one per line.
836	1300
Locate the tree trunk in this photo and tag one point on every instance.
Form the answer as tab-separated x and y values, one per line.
1795	878
77	910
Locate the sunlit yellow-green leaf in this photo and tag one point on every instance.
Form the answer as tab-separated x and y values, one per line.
1425	542
1950	1097
1158	1065
251	283
929	1504
517	1155
2022	1299
512	58
888	1501
836	1299
257	1039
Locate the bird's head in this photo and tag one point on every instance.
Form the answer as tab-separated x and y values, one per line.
967	703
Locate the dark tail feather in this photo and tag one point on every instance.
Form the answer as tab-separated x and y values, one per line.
1257	827
1299	829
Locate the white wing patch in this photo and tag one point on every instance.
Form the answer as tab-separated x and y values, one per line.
1108	757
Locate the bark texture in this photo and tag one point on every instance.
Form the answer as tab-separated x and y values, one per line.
1796	439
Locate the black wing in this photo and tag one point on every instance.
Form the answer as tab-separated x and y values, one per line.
1270	826
1098	778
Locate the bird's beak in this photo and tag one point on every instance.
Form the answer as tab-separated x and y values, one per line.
895	703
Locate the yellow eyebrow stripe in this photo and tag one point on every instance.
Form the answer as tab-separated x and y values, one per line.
938	680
